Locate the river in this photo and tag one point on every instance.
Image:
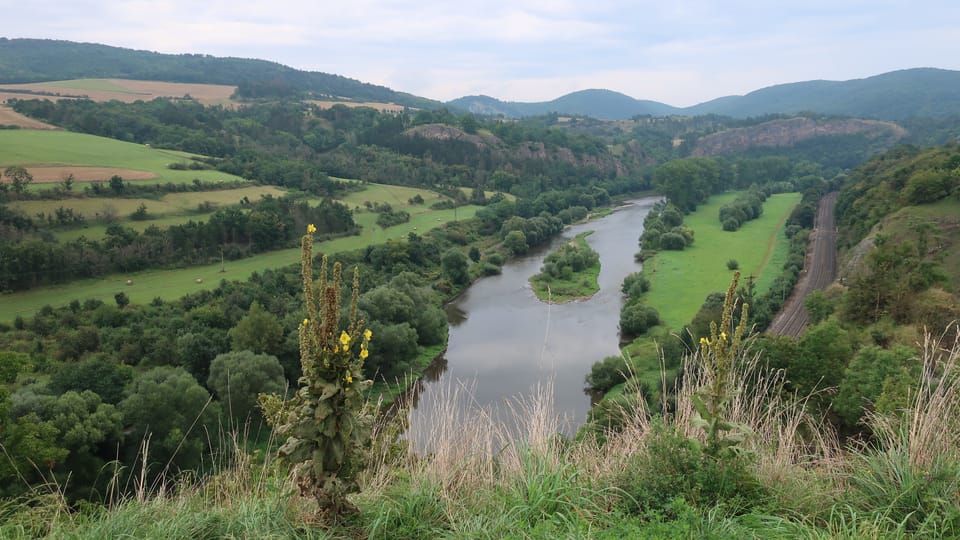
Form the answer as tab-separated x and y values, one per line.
504	341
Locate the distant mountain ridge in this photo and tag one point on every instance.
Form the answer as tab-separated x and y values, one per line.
919	92
897	95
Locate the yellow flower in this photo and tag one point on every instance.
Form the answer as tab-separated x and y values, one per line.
704	341
367	334
364	354
348	378
306	322
344	339
723	336
311	228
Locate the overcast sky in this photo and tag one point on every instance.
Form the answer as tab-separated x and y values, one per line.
680	52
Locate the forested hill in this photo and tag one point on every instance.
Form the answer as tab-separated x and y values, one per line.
923	92
37	60
602	104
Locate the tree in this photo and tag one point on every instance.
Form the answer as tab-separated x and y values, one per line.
864	379
516	242
258	331
116	184
106	379
168	411
19	177
454	264
238	377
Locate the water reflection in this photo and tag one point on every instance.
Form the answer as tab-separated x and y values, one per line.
504	341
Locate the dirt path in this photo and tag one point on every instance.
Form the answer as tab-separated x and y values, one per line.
819	271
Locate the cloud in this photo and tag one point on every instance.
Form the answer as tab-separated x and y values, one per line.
680	52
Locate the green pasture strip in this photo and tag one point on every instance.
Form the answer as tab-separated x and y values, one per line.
681	280
395	196
172	284
169	204
50	148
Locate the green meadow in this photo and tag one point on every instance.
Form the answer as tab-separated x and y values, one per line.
49	148
172	284
681	280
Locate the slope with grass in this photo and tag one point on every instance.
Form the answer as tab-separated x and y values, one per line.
681	280
46	152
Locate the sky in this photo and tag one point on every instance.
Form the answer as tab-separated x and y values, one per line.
679	52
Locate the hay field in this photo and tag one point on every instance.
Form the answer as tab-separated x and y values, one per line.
125	90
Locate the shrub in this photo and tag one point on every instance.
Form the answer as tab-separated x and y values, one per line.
676	467
732	264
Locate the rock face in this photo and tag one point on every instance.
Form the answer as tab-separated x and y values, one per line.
789	131
523	151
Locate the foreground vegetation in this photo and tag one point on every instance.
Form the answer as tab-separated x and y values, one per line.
788	478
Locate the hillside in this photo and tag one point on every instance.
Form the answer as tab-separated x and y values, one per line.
921	92
39	60
897	95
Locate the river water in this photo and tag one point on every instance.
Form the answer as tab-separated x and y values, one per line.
504	341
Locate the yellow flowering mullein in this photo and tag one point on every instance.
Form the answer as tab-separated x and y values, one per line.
327	425
717	354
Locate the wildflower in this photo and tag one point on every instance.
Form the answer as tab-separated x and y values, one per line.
311	228
367	334
306	322
704	342
344	339
364	354
348	378
723	336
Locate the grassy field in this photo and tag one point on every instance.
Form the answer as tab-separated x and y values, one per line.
62	149
172	284
681	280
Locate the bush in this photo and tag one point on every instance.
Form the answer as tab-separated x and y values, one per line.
606	374
676	467
636	318
732	264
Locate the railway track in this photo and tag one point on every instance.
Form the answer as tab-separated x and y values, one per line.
819	271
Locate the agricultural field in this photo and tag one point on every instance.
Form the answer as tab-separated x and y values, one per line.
125	90
51	155
681	280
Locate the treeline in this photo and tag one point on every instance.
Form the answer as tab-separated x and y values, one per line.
232	233
663	229
745	207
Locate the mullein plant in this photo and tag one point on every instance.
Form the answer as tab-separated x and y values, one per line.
717	354
328	423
